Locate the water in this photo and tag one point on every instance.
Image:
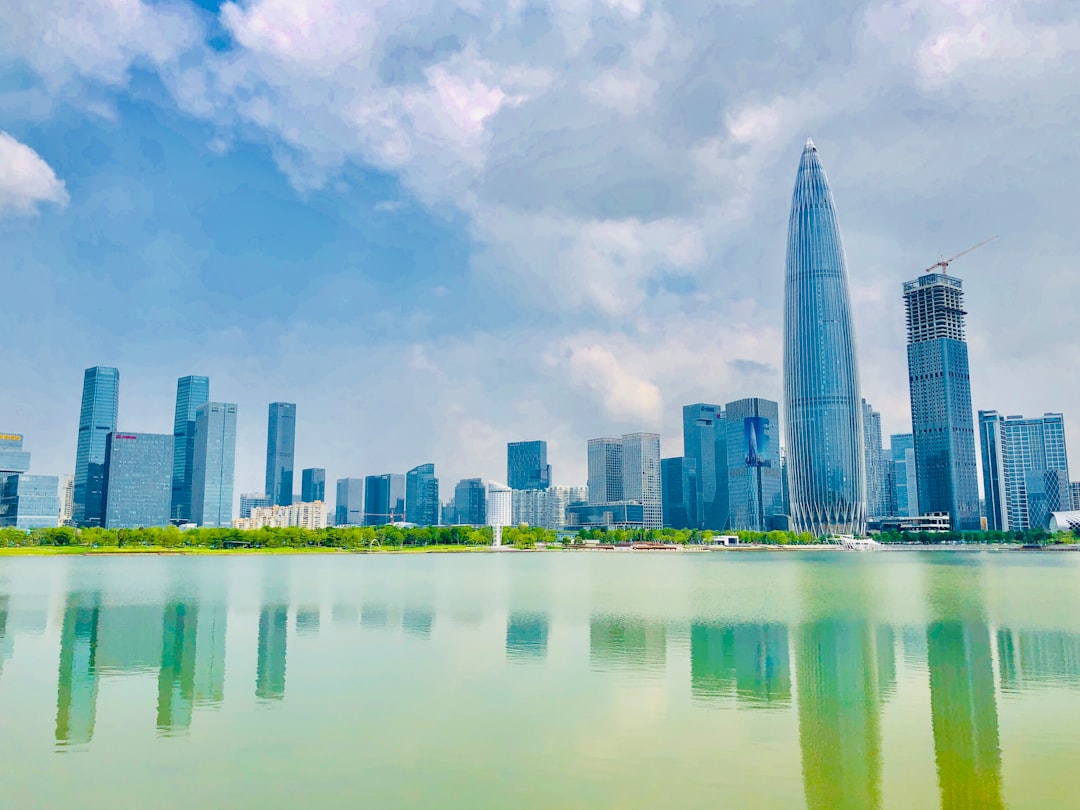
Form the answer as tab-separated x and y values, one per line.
610	680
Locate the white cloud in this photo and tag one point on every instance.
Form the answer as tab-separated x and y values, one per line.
26	180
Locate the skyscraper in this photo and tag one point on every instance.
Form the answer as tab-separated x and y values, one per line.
641	475
874	461
754	486
941	417
349	509
498	509
904	496
253	500
138	479
422	496
704	441
824	431
470	502
605	470
526	465
191	392
678	488
313	484
384	499
97	419
213	465
280	446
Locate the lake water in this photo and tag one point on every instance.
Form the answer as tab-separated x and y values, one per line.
549	680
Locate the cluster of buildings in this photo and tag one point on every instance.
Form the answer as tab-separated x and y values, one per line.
832	475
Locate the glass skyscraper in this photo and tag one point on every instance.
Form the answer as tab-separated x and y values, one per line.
877	499
904	492
29	501
138	480
384	499
754	484
470	502
605	470
313	485
678	486
97	419
280	446
214	464
422	496
641	476
941	418
824	430
349	508
526	465
705	441
191	392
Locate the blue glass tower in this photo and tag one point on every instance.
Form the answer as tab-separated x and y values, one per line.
313	484
678	492
97	419
214	464
138	480
822	402
705	441
422	496
526	465
191	392
754	486
280	446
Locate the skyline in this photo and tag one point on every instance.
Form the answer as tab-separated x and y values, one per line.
587	295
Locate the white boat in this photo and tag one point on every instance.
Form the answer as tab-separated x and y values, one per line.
851	543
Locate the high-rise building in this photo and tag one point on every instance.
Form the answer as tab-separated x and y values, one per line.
498	509
904	492
384	499
253	500
1074	493
422	496
213	465
312	485
349	509
13	459
447	517
67	499
526	465
470	502
138	479
824	431
605	470
704	441
877	500
641	475
29	501
97	419
1023	458
546	507
280	448
941	418
678	492
755	485
191	392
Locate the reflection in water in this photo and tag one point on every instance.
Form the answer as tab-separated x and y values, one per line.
345	614
913	646
417	621
130	639
273	634
307	619
526	635
750	661
210	654
6	643
77	684
374	615
962	701
624	642
1029	658
176	678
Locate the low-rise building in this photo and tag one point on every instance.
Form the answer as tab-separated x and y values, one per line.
302	515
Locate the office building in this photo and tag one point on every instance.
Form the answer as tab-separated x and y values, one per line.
29	501
678	492
422	496
877	500
349	508
97	419
641	476
447	516
904	492
13	459
280	448
313	484
498	509
822	401
384	499
214	464
615	515
1074	492
138	479
253	500
704	441
470	502
941	417
755	485
1025	469
605	470
546	507
191	392
67	499
526	465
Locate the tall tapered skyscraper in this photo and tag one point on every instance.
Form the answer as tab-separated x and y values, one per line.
97	419
824	428
191	392
280	446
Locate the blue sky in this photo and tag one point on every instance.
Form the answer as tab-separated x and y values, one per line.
441	226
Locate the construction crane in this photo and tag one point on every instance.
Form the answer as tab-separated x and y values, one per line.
944	263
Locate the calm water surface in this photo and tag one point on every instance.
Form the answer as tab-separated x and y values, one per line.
620	680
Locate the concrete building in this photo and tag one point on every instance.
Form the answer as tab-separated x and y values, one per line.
302	515
498	509
547	507
641	476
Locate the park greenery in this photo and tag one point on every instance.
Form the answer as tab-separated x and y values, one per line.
432	538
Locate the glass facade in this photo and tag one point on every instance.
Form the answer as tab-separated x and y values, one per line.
941	417
605	470
280	447
470	502
29	501
824	430
422	496
13	459
904	492
253	500
641	476
97	419
313	485
349	508
526	465
138	480
877	485
191	392
214	464
705	441
617	515
754	479
384	499
678	484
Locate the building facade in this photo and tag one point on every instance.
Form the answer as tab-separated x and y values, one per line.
822	401
349	507
214	464
546	507
67	499
755	481
941	417
678	488
280	450
384	499
313	484
138	479
498	509
641	476
527	466
311	516
29	501
97	419
422	496
191	392
705	442
253	500
614	515
877	491
470	502
903	489
605	470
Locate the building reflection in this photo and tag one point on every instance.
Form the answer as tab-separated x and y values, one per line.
176	677
417	621
526	636
748	661
962	701
209	680
374	615
77	684
627	643
307	619
1031	658
6	642
273	635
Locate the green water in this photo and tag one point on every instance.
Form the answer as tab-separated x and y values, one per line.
558	680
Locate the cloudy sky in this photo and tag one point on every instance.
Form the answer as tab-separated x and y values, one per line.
441	226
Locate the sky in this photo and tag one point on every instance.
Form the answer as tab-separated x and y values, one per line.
441	226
